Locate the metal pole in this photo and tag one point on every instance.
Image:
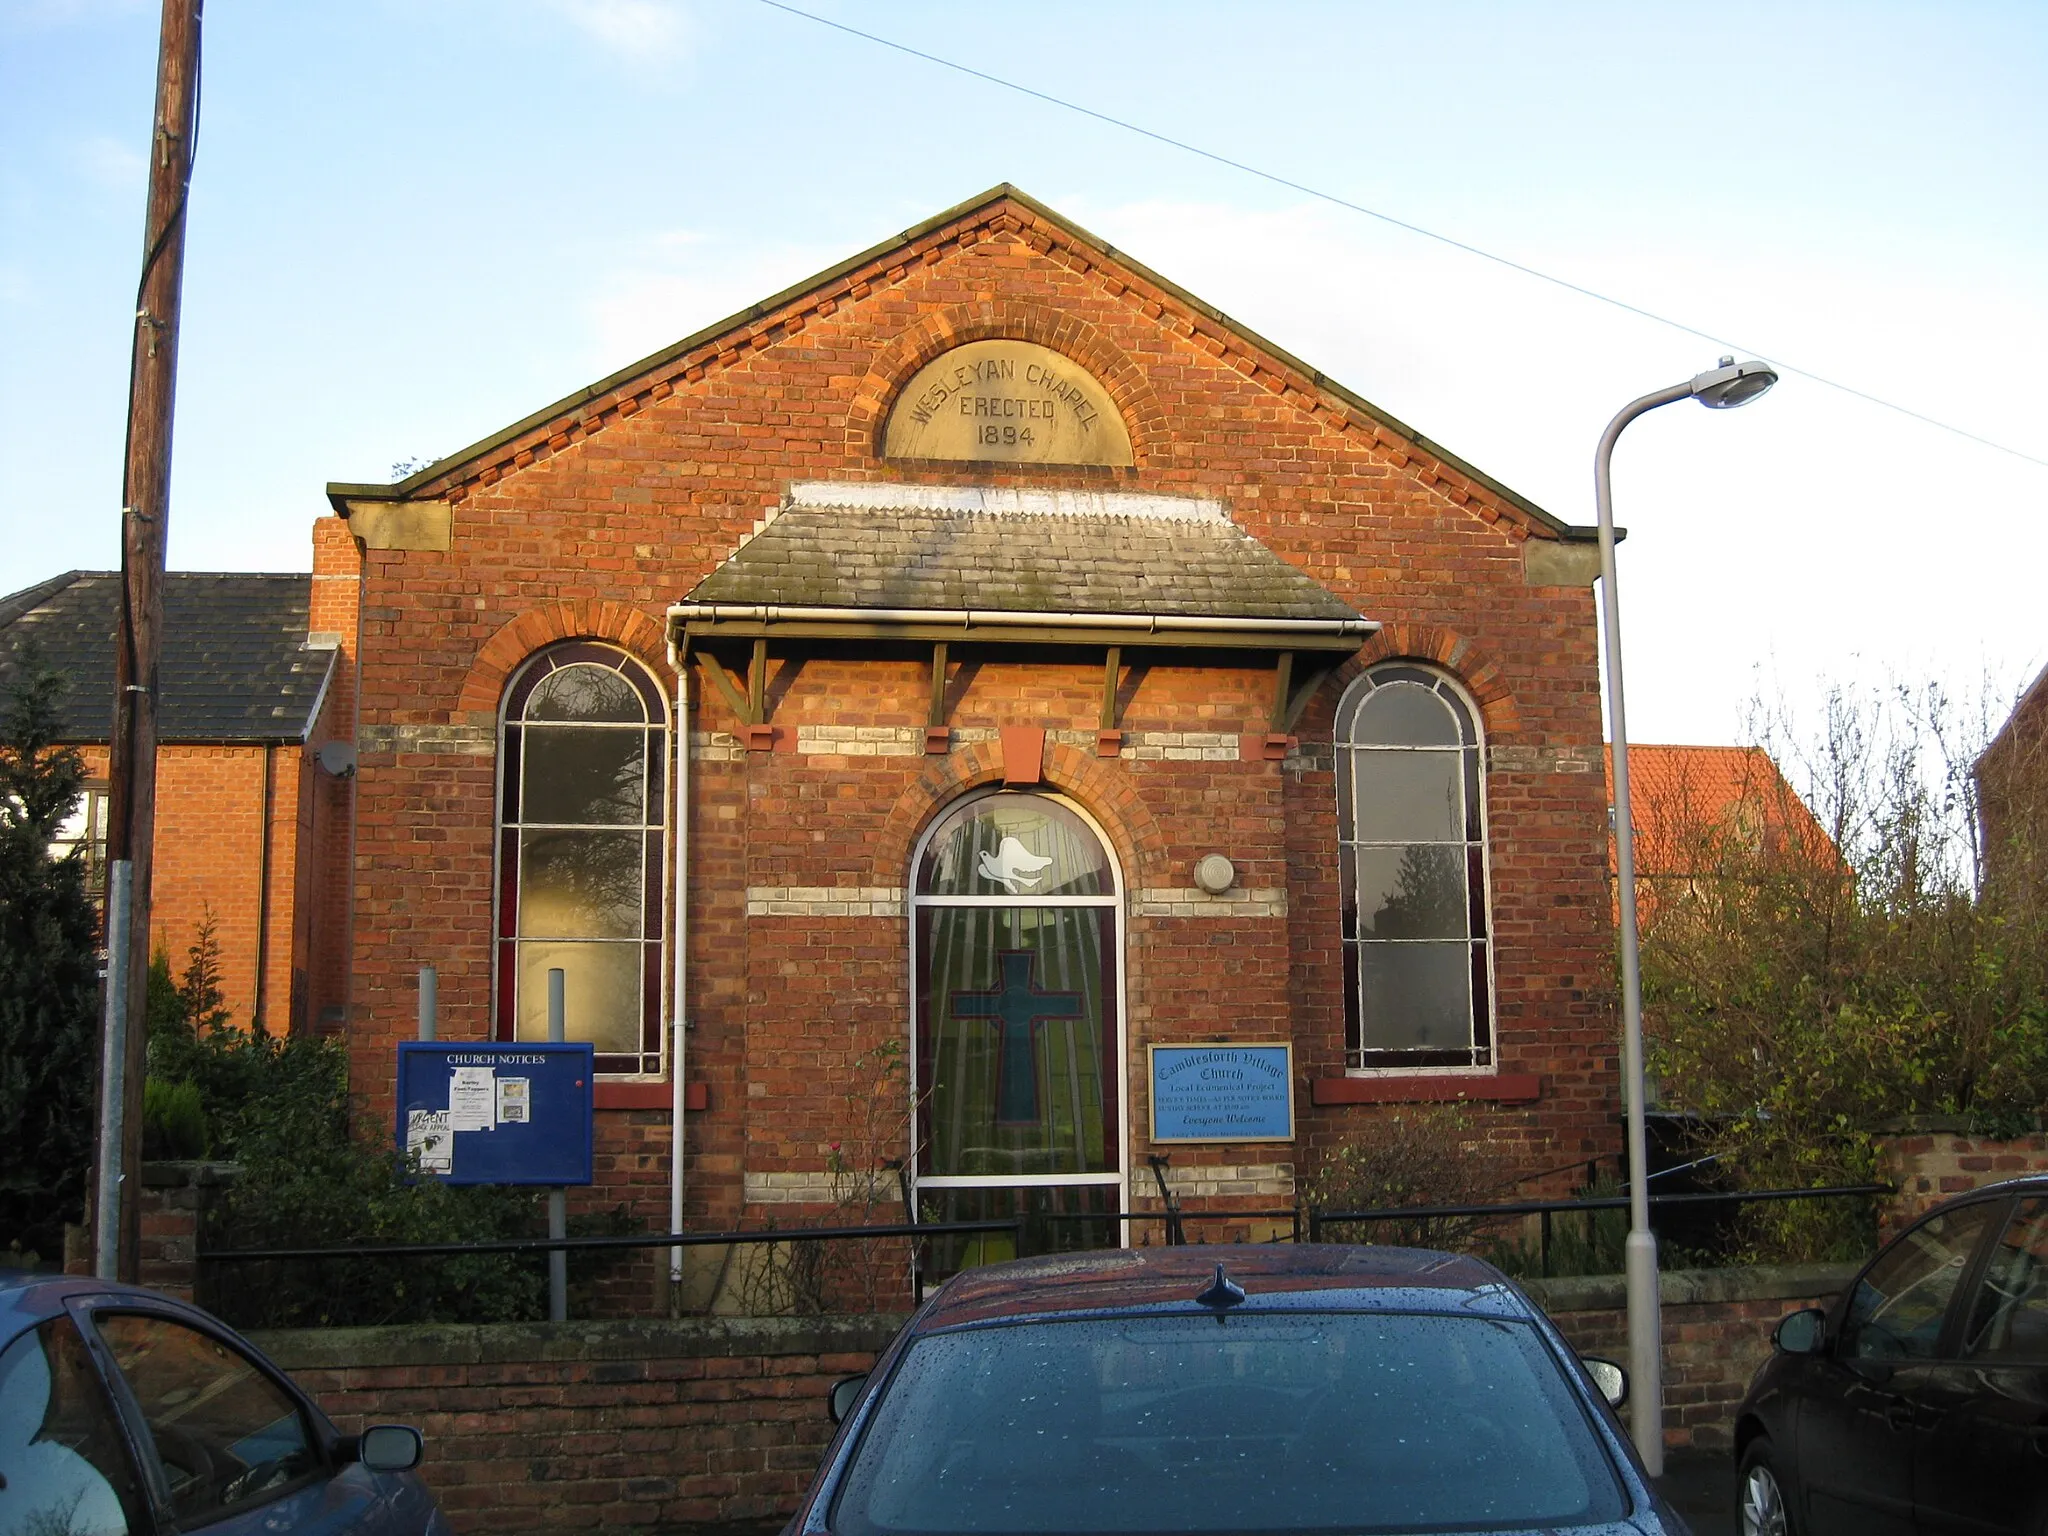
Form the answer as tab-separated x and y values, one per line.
430	1002
145	522
558	1200
679	1011
1645	1343
106	1258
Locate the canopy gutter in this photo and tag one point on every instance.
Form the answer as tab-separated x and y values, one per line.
692	615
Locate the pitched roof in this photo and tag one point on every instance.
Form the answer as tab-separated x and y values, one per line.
955	548
235	664
624	392
1675	790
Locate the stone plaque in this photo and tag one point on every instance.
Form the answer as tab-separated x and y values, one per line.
1006	402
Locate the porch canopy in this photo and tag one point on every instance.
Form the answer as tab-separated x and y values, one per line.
952	567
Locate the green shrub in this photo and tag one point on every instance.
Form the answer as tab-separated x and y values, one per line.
305	1182
1425	1155
49	975
173	1121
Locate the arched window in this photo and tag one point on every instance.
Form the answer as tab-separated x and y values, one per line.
1411	829
1016	952
582	852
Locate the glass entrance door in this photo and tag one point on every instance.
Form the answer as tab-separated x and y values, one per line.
1016	952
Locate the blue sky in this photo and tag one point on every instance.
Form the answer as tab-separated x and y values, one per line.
413	223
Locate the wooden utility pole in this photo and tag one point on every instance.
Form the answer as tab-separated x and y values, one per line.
145	527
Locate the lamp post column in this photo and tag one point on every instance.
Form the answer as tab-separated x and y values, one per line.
1645	1346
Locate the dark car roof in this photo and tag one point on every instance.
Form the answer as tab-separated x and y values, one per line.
1289	1274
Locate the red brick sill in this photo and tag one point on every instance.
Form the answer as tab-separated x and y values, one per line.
649	1095
1502	1088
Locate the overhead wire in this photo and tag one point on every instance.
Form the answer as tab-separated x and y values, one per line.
1453	242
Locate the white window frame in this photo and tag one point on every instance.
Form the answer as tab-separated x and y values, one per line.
656	805
915	902
1358	1059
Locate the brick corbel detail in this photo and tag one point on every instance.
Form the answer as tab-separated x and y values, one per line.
537	628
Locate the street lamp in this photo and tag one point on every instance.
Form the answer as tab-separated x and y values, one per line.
1731	384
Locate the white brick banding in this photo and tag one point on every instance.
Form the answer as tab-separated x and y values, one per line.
824	901
1193	901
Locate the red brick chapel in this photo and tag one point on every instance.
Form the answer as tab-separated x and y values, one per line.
972	668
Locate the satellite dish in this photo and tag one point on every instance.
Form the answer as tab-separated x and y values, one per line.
339	759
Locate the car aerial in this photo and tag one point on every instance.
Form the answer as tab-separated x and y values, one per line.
1917	1401
1271	1388
125	1410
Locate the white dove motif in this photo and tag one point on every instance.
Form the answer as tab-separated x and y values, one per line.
1014	865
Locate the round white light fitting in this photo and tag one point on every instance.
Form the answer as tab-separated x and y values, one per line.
1215	874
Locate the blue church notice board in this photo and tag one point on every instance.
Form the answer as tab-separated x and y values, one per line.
1222	1092
497	1114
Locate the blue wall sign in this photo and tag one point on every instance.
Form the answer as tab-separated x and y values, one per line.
1222	1093
497	1114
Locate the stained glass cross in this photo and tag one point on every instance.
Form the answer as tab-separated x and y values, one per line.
1016	1007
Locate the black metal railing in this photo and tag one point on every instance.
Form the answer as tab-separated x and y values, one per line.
1314	1226
1548	1210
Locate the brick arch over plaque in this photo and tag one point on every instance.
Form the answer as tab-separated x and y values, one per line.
518	638
1446	648
1007	320
1105	793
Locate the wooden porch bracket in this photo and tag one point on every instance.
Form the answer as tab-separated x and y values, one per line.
1109	741
737	701
938	739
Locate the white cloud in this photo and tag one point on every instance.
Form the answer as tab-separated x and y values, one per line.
679	282
1808	538
640	31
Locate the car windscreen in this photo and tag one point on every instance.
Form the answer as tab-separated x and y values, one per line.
1280	1422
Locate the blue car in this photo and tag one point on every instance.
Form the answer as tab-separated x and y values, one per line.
123	1410
1272	1389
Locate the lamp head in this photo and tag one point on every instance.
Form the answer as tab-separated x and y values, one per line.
1733	383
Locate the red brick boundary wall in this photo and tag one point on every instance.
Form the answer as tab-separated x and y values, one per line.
1931	1166
551	1426
536	1426
1717	1331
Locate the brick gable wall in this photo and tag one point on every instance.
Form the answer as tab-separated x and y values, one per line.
596	522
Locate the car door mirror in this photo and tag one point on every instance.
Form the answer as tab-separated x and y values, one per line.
390	1447
1610	1378
1799	1333
844	1395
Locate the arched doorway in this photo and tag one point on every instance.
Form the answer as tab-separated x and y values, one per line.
1016	960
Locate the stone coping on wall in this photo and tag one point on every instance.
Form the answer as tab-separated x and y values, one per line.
696	1337
1691	1287
427	1344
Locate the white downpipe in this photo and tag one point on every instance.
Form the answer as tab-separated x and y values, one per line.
996	618
679	843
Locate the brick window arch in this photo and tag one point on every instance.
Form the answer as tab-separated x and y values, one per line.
1411	829
583	852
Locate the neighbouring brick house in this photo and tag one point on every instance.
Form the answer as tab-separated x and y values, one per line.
1064	671
249	826
2012	797
1694	806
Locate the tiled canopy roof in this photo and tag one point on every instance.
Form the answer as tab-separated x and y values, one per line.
235	665
946	548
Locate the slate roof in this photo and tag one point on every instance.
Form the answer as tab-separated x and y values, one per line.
1016	552
235	666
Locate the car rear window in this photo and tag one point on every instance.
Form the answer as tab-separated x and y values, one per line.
1319	1422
